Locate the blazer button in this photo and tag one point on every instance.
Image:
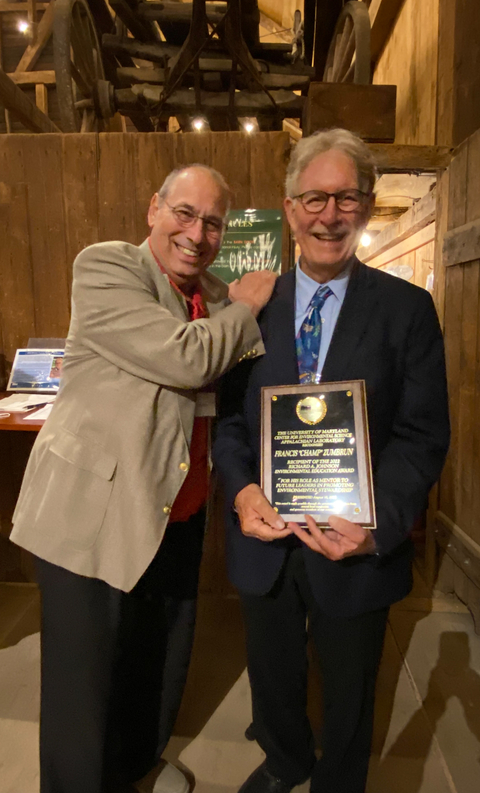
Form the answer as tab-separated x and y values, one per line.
184	466
254	352
167	510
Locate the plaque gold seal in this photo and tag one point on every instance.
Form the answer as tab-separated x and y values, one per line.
311	410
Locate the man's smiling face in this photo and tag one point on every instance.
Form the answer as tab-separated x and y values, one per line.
327	239
186	253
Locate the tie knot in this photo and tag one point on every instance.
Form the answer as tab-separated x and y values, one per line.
320	296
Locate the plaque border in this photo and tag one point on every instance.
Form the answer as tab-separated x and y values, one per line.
366	517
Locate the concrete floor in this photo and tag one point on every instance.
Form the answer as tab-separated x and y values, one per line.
427	732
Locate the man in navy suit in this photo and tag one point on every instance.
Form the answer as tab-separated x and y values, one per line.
372	327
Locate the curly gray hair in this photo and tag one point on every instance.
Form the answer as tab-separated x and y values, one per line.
325	139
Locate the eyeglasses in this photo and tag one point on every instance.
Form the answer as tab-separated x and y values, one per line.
346	200
213	226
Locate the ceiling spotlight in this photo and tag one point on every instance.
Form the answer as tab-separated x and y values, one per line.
23	26
198	124
365	240
249	127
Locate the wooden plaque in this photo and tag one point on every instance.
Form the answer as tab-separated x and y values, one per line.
316	452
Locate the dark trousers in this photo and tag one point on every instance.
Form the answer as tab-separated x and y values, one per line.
349	651
114	666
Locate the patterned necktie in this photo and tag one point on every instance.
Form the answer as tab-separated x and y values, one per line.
310	335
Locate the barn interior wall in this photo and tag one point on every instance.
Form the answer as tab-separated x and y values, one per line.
281	12
409	61
60	193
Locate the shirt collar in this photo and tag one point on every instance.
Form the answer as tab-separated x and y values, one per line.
306	286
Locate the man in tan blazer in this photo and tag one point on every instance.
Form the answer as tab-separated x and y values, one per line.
112	504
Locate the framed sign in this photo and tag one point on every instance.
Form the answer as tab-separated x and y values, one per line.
36	370
253	241
316	452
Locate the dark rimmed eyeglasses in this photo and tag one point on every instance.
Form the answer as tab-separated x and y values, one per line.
346	200
213	226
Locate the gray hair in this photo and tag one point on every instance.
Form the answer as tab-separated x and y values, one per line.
216	176
325	139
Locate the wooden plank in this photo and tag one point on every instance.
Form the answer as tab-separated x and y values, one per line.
43	160
442	191
41	98
269	193
453	321
462	244
415	219
446	73
33	51
393	158
383	14
467	481
238	178
408	245
409	61
13	99
466	110
192	147
367	110
80	194
453	333
154	159
473	212
473	192
47	77
16	295
116	175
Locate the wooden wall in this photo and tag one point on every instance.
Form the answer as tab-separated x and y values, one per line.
409	61
457	291
59	193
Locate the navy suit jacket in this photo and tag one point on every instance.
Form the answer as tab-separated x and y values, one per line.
387	334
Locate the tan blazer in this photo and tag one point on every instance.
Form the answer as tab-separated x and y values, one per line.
109	462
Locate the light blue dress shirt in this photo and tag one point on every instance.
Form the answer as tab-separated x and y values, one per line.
304	291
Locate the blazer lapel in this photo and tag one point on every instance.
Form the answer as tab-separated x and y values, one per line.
278	328
352	324
169	297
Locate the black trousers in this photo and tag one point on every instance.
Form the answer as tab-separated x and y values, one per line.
349	651
114	666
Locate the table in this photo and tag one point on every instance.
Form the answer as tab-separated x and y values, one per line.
16	421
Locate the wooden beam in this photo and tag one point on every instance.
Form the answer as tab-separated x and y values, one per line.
178	12
33	51
10	8
13	99
383	14
46	77
408	245
32	19
413	220
41	98
462	244
392	157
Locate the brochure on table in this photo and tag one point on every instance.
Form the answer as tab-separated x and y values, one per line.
36	370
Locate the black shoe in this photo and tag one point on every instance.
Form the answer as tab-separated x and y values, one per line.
262	781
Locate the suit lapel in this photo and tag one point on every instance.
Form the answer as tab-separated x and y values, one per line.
352	324
278	328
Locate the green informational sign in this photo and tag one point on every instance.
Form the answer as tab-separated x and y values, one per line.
253	241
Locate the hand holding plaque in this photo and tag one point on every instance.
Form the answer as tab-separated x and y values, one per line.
316	454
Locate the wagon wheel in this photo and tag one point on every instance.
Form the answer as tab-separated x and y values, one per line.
348	58
78	66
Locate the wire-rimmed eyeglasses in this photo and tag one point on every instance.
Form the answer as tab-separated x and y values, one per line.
213	226
346	200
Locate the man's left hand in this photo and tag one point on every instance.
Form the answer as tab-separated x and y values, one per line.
342	539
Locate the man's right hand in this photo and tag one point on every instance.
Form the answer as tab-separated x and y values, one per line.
257	516
254	289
